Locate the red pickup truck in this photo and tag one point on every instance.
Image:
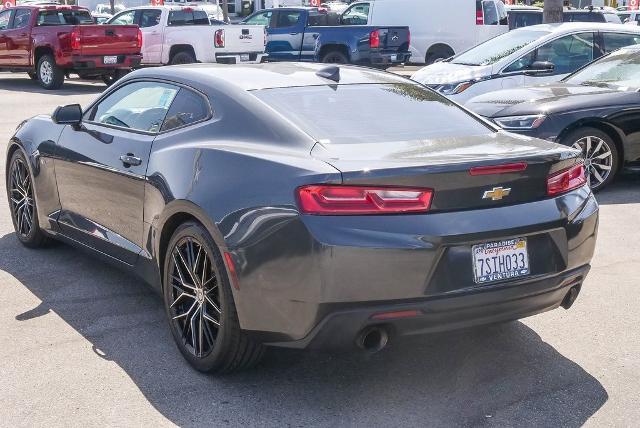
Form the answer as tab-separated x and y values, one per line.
50	42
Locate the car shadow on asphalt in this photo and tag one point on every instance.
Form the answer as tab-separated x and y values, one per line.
624	190
70	87
494	375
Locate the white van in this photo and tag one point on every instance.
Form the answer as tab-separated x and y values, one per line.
439	29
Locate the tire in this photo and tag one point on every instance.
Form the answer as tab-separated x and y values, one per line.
49	74
183	57
211	340
440	52
22	203
32	75
111	78
335	57
601	170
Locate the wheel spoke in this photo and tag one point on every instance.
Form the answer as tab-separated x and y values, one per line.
597	175
603	156
211	302
588	145
601	166
210	318
183	294
188	312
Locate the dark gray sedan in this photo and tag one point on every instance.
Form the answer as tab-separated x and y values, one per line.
305	206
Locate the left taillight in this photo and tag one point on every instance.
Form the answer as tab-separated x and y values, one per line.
566	180
76	40
374	39
139	38
219	38
362	200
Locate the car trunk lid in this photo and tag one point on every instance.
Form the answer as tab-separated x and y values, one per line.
456	169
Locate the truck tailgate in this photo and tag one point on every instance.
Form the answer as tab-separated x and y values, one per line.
394	37
243	38
108	39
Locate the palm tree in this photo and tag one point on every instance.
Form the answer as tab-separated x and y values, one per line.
225	11
553	11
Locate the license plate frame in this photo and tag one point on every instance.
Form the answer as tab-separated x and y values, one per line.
110	59
245	57
502	260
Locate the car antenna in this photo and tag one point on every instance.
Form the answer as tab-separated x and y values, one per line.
331	72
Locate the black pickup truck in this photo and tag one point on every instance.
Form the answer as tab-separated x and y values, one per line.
310	34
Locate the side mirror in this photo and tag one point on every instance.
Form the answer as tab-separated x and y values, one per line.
541	67
68	115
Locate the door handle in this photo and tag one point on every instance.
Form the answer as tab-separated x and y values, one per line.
293	34
130	160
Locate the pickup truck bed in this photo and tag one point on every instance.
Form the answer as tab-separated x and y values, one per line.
302	34
49	42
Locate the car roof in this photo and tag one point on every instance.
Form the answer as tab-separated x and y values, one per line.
252	77
47	6
519	7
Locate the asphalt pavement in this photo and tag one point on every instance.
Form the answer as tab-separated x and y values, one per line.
83	344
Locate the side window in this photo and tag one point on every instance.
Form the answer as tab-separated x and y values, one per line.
125	18
140	106
521	63
4	19
187	107
188	16
613	41
287	18
150	18
263	18
22	18
490	13
357	14
567	53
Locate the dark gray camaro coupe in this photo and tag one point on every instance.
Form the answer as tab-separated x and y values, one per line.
305	206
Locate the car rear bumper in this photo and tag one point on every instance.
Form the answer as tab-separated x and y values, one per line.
297	274
519	299
384	58
96	62
241	58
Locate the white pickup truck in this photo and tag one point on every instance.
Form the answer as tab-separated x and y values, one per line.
182	35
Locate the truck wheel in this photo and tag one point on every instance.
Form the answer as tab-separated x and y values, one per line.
111	78
49	74
183	57
438	52
32	75
335	57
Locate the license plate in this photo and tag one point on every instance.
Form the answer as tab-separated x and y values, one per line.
394	57
110	59
244	57
500	260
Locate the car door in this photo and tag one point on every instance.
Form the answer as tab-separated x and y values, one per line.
5	21
152	43
287	30
101	164
19	38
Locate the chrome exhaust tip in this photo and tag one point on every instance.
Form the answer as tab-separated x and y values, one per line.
372	339
571	297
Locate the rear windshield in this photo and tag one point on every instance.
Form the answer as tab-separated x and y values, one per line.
371	113
493	50
188	17
64	17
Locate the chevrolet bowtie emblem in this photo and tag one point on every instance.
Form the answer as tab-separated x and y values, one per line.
496	194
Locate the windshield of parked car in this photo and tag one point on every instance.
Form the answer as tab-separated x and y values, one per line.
495	49
64	17
619	69
372	113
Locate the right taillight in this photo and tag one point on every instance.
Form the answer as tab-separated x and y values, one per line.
219	38
374	39
479	13
360	200
566	180
75	40
139	39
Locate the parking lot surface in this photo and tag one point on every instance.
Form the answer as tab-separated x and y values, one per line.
84	344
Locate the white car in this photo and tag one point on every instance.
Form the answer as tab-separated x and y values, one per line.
524	57
439	29
182	35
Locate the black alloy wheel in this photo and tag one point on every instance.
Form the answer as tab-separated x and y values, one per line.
22	202
600	155
200	306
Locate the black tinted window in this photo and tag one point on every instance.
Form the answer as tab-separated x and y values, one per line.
363	113
187	107
287	18
524	19
613	41
150	18
64	17
21	18
583	17
188	17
